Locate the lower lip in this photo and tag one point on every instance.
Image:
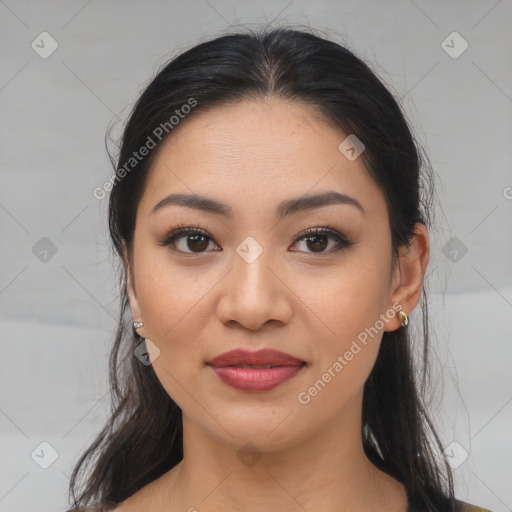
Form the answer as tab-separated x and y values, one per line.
255	379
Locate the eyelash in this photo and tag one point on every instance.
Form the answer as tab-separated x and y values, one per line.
342	241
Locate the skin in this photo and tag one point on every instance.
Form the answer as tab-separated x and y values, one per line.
311	304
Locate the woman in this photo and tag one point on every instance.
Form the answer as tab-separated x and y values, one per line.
266	208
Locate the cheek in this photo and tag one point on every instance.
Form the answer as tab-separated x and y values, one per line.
349	301
347	339
346	298
174	315
172	296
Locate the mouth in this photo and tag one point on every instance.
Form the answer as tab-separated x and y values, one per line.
256	371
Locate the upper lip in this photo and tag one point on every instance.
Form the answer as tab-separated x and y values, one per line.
261	357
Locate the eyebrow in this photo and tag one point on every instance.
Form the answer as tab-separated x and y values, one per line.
284	209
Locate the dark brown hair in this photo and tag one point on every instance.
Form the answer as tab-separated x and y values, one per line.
142	439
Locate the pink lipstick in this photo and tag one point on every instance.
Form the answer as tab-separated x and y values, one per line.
255	371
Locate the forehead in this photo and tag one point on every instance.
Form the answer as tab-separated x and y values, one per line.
254	154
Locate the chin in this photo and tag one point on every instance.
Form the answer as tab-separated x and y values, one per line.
269	427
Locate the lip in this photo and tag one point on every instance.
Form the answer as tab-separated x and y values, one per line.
242	370
263	357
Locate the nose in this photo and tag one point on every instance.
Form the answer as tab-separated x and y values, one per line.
254	294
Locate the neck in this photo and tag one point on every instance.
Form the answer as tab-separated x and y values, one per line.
325	471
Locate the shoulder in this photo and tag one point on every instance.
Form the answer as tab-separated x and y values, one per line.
468	507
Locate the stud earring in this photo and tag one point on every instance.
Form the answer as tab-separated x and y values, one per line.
138	325
404	319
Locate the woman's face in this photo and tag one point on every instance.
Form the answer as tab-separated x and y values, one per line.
247	284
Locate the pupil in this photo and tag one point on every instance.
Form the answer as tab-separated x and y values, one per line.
194	240
317	245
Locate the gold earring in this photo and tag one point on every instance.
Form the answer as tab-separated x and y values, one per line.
404	319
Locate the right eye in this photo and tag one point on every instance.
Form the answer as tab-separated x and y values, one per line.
186	237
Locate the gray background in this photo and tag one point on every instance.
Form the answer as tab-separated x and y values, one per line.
58	314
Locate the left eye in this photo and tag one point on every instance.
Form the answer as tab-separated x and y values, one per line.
318	239
197	240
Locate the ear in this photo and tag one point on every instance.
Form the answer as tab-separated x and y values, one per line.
407	282
130	289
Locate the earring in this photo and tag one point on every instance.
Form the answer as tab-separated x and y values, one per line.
137	325
404	319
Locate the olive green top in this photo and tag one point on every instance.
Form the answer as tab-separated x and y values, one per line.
467	507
